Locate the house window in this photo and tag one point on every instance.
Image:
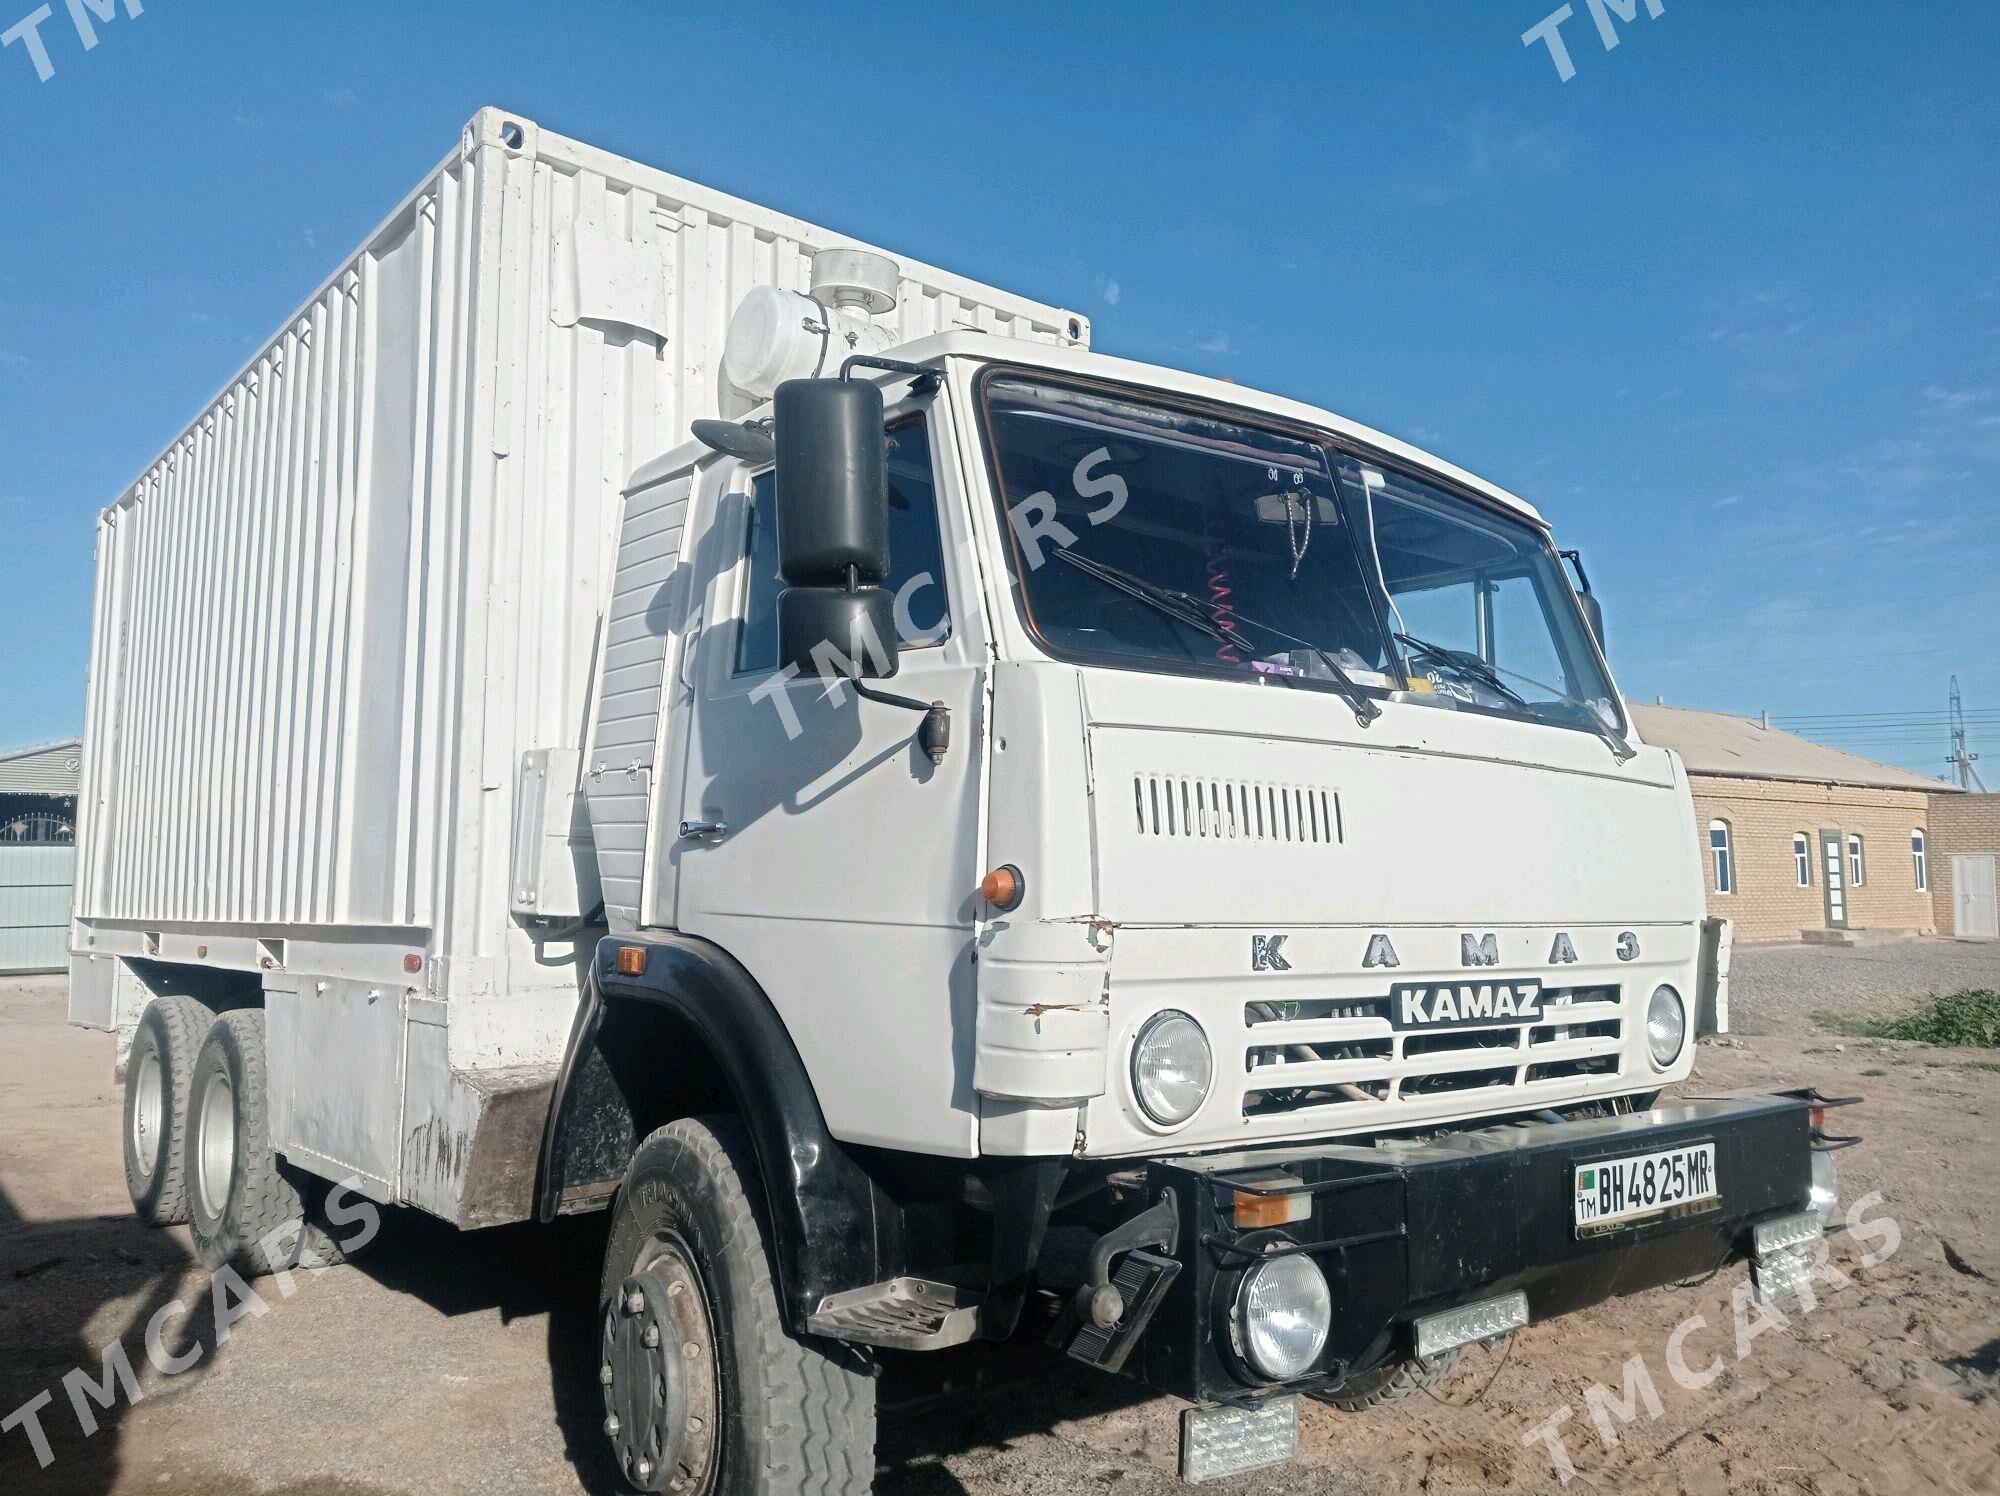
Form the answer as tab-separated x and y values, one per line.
1857	865
1921	859
1802	856
1723	855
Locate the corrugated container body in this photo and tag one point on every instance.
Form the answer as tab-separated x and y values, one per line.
338	609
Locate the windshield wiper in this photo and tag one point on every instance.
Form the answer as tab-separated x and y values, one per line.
1471	666
1188	610
1488	675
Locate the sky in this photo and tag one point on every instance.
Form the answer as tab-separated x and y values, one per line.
1725	304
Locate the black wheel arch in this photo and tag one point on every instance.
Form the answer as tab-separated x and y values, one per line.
693	1034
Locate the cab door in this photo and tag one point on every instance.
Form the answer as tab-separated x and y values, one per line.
817	842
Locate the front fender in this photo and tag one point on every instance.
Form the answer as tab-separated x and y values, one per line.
832	1228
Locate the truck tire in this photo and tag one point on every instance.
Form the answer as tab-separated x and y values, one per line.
1392	1381
158	1074
746	1408
239	1194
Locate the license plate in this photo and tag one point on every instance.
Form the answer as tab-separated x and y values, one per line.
1616	1192
1488	1003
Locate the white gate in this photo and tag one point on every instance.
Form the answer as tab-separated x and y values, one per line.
1975	917
35	885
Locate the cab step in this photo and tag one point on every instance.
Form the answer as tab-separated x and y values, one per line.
904	1314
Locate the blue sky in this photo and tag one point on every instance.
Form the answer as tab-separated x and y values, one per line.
1726	304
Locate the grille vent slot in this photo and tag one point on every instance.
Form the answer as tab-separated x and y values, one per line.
1302	1054
1187	808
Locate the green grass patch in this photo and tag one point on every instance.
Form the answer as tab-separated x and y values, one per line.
1970	1018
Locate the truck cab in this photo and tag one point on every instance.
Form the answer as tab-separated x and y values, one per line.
1150	810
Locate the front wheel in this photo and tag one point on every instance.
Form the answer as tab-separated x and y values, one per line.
705	1390
1392	1381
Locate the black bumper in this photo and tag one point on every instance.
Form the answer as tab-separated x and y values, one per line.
1405	1232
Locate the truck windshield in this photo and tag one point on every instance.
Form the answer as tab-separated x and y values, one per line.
1259	548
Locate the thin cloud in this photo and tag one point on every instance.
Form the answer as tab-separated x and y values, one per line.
1510	153
1497	154
1946	398
1108	289
342	98
1214	344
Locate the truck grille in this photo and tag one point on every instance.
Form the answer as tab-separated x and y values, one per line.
1304	1055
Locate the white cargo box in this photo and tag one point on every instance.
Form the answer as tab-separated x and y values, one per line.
347	620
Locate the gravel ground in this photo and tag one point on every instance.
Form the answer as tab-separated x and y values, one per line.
443	1364
1780	989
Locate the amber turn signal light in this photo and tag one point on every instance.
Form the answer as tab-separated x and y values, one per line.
1003	887
631	961
1261	1212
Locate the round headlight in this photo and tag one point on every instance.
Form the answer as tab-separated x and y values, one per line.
1284	1311
1171	1068
1666	1026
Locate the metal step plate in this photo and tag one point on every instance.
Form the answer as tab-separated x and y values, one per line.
905	1314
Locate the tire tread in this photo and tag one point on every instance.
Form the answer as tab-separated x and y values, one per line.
184	1024
820	1435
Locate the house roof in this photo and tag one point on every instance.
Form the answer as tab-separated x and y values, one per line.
1721	744
41	768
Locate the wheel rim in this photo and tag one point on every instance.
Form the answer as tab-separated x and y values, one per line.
215	1155
149	1111
658	1372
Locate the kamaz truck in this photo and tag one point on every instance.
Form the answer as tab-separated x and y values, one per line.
634	702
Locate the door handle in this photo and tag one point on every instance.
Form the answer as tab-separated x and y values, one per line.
703	830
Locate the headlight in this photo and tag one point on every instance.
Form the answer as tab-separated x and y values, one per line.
1171	1068
1666	1026
1283	1313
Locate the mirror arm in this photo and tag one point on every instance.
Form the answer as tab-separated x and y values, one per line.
1575	558
923	381
934	737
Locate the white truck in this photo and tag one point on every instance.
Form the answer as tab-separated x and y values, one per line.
632	701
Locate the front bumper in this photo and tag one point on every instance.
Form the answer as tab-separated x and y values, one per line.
1405	1231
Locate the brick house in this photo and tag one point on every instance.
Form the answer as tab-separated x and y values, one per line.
1802	841
1965	846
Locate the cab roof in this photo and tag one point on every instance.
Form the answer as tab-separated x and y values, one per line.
991	349
987	348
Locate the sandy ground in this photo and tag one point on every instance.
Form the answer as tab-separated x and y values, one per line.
445	1364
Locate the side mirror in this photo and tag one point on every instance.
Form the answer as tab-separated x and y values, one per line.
835	618
1593	614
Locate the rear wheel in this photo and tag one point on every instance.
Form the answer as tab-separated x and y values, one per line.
158	1075
241	1199
706	1393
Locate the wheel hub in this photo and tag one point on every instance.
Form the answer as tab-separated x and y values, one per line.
215	1150
658	1376
148	1111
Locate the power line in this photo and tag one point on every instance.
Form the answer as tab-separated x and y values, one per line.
1911	716
1840	659
1848	607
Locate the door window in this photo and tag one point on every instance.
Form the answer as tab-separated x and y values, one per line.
916	555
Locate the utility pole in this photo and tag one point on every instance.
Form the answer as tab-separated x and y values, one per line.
1961	760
